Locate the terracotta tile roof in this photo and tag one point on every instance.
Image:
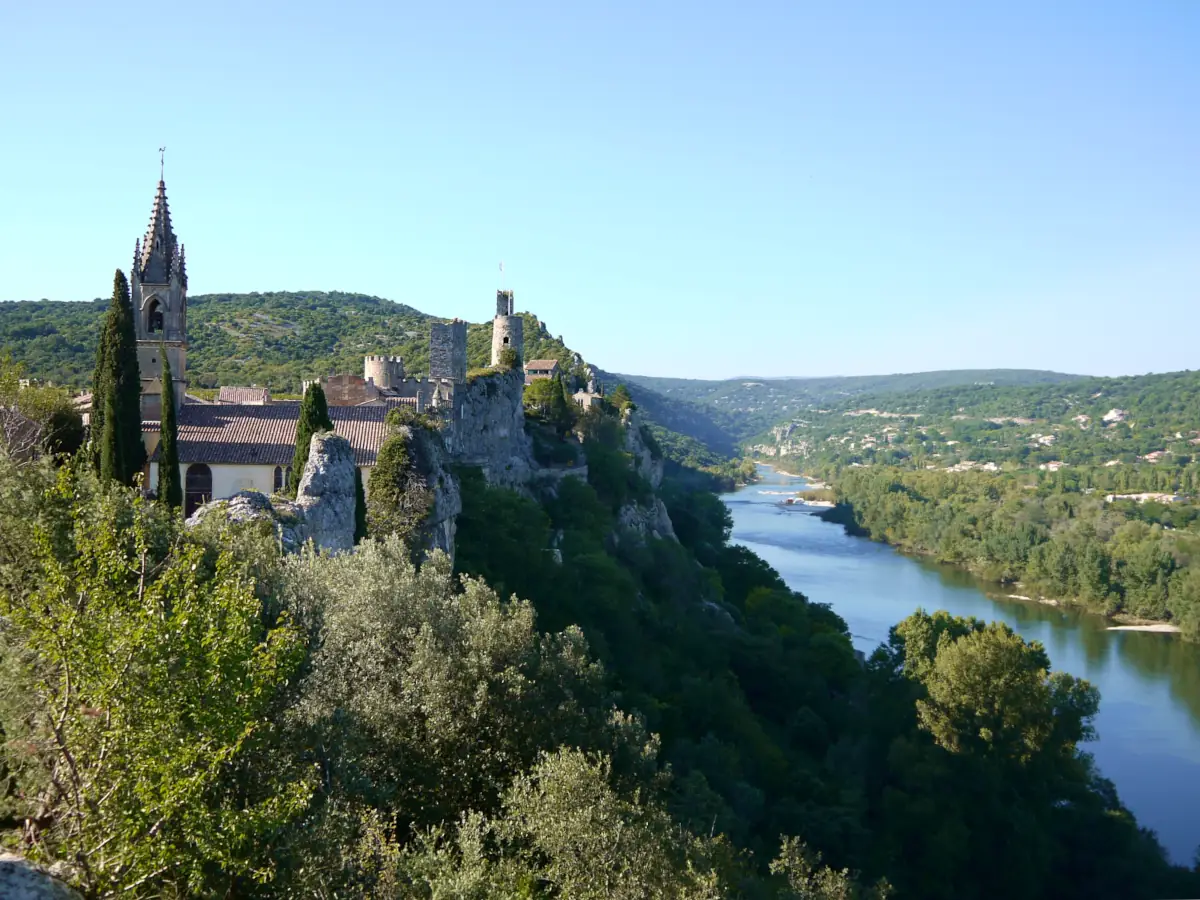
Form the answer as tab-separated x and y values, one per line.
541	364
233	434
244	395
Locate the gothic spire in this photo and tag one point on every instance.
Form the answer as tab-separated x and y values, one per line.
159	245
178	265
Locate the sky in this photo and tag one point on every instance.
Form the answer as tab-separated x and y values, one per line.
678	189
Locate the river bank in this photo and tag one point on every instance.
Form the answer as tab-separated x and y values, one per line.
842	514
1149	722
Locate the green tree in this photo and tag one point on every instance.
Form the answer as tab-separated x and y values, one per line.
360	507
314	417
170	490
117	391
400	499
140	675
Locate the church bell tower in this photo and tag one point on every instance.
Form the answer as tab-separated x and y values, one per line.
158	285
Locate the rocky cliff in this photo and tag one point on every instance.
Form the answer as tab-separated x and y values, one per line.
650	518
431	465
488	430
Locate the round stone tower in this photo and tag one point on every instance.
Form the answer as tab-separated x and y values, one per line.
383	371
508	330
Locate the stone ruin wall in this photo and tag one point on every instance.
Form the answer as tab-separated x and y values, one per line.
448	351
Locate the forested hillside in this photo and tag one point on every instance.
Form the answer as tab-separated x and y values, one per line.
275	339
744	407
1092	421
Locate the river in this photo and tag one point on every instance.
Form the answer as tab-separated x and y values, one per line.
1149	721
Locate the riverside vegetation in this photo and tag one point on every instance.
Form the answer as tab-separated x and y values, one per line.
1081	491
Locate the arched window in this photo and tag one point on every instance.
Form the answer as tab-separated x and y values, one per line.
154	317
278	478
197	488
506	340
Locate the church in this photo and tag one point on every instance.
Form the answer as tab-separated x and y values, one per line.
244	440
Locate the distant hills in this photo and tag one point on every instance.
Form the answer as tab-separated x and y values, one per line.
725	413
274	339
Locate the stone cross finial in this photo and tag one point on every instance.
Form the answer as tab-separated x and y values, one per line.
162	155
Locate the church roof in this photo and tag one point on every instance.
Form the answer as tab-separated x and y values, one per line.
159	250
244	395
233	434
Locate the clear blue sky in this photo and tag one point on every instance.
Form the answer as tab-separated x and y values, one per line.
685	189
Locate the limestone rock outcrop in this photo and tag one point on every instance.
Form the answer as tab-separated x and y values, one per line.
325	498
322	512
638	444
649	519
22	880
489	429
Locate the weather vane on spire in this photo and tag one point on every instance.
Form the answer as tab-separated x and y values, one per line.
162	154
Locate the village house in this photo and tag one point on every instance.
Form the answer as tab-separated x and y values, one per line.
541	368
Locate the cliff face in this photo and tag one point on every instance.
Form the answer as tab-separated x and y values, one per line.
648	519
489	429
432	464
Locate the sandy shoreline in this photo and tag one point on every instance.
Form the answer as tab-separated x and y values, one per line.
1162	627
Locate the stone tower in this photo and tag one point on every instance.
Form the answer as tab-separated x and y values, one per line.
158	285
383	371
448	351
508	330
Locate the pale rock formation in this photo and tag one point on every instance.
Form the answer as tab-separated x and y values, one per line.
322	512
22	880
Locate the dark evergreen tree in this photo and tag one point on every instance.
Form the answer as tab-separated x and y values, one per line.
360	507
110	447
100	388
314	417
117	390
170	491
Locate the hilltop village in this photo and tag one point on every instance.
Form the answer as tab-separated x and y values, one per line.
243	439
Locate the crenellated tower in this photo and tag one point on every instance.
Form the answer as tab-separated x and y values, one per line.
383	371
158	285
508	329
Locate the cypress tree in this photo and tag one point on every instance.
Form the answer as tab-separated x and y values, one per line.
110	447
169	489
360	507
128	384
99	394
117	391
314	417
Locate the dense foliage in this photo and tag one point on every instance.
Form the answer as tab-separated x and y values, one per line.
36	418
1058	536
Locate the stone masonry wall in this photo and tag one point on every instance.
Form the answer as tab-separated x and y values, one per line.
448	351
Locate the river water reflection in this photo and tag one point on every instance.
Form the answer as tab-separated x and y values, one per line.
1149	720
